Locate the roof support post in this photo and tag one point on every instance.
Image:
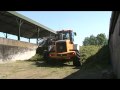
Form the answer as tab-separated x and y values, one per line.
19	27
29	40
6	35
38	30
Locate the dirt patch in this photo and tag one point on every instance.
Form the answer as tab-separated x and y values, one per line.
34	70
42	70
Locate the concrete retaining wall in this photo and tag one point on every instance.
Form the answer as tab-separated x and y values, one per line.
115	48
12	50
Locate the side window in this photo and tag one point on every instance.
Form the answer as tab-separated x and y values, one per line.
67	35
72	36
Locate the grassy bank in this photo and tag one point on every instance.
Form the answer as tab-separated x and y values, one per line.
97	58
94	56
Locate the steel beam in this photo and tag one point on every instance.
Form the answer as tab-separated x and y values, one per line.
29	40
6	35
20	22
38	30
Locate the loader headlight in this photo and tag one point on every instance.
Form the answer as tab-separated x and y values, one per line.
72	53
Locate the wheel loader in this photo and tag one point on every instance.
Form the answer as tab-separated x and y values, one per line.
61	47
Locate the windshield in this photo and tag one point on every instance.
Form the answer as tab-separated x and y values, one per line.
66	36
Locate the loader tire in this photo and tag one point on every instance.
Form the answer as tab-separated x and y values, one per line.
76	59
46	56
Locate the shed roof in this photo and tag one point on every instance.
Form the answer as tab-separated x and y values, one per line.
9	24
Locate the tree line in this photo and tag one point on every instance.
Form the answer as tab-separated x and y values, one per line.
100	39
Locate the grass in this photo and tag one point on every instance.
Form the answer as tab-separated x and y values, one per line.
34	68
95	59
36	57
95	56
88	51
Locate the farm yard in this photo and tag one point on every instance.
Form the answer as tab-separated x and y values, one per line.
36	68
30	50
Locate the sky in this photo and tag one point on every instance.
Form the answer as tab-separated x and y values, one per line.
84	23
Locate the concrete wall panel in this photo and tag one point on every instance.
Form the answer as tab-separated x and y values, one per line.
115	48
11	50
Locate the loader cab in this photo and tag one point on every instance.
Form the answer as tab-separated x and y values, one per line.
66	35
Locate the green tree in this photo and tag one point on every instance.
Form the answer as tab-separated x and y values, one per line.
92	40
86	41
101	39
